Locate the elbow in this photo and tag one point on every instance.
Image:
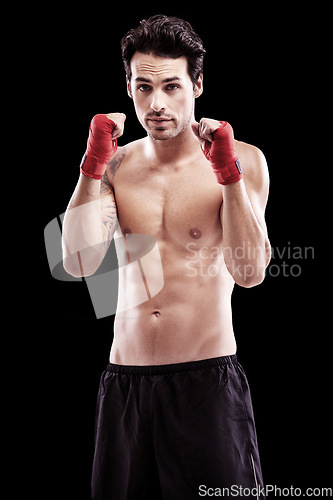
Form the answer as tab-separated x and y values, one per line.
84	262
248	275
252	273
74	266
71	269
250	281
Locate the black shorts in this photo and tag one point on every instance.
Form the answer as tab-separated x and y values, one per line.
175	432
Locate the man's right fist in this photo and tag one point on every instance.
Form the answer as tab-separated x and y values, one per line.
104	131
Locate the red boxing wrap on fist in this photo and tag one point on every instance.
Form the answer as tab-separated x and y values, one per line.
222	155
100	147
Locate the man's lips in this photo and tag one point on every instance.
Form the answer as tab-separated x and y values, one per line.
159	120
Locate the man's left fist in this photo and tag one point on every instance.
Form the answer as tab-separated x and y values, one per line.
218	145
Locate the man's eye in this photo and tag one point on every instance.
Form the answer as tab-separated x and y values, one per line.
144	88
172	86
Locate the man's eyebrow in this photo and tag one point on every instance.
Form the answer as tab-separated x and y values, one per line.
166	80
172	79
141	79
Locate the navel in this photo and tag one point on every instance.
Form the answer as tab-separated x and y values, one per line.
195	233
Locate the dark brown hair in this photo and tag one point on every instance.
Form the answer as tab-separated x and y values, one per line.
164	36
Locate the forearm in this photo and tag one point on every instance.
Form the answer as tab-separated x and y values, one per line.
83	240
91	216
245	244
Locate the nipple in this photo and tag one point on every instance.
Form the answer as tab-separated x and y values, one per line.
127	232
195	233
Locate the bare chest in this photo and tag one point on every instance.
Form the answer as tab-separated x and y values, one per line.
176	203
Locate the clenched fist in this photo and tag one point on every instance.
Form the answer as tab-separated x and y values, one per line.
104	131
218	145
204	130
119	121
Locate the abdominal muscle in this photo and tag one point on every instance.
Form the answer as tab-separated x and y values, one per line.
180	314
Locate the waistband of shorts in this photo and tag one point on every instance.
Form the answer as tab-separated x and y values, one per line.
172	368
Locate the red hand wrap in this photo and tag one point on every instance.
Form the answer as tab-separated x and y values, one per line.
222	155
100	147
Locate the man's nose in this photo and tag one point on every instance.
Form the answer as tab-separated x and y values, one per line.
157	104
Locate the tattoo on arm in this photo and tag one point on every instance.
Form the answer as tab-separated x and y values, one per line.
106	187
115	161
109	218
111	170
108	201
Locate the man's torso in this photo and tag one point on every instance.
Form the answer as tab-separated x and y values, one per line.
178	204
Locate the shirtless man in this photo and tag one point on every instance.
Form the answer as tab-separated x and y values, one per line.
174	406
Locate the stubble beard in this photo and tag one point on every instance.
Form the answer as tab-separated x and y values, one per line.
163	134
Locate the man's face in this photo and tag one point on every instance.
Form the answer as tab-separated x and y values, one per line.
163	94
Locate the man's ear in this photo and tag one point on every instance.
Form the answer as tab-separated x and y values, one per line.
129	90
198	86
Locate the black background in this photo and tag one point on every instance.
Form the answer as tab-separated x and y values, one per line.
257	76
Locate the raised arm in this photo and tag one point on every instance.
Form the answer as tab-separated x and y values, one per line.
245	240
91	216
242	171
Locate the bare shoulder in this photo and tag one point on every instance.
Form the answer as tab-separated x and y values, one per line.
123	155
251	156
115	162
111	170
254	165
